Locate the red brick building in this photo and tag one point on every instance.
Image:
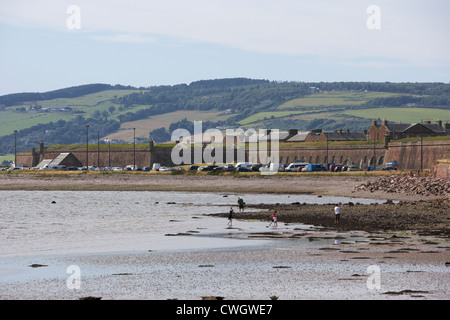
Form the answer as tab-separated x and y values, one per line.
397	131
338	135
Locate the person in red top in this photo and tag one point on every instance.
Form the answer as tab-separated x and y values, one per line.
274	219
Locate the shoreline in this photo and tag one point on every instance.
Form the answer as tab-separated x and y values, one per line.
341	185
427	214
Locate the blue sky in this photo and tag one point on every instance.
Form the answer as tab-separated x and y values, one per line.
147	43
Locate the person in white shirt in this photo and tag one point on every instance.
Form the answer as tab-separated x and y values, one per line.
337	212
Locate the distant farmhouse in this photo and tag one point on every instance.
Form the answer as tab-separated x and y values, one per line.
337	135
397	131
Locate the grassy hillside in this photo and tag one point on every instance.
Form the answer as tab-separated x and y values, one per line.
112	111
334	99
405	115
13	118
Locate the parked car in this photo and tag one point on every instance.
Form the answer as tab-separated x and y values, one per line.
277	167
146	169
207	168
243	165
315	167
193	167
166	168
243	169
353	168
256	167
293	167
229	168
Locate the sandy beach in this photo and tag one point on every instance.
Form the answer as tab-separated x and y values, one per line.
307	256
282	184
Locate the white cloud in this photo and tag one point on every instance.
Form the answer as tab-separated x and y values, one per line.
414	33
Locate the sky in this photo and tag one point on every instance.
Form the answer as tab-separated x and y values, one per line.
52	44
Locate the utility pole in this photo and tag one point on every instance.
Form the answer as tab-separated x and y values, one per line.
15	148
87	146
134	148
421	145
98	148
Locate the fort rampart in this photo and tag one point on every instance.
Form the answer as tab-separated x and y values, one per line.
409	155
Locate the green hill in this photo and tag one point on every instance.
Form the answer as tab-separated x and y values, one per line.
61	116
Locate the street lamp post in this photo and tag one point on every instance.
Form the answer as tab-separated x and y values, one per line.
421	145
87	146
98	148
15	148
134	148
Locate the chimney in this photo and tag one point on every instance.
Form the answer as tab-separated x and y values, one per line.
340	131
374	122
439	122
347	131
384	122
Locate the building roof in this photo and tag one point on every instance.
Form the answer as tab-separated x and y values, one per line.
299	137
415	127
412	127
345	136
63	158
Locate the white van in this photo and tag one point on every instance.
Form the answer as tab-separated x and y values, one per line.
295	165
156	166
275	167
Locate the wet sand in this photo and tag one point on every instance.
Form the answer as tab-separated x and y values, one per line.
305	257
283	184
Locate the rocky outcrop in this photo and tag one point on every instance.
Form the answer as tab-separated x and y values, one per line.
409	184
441	169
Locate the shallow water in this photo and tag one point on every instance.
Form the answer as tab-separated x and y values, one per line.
120	241
47	222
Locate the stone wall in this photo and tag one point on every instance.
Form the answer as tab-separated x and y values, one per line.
441	169
409	155
359	155
416	155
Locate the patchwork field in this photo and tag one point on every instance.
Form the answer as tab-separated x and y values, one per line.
334	99
11	119
143	127
405	115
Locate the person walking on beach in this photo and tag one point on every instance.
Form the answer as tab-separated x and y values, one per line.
241	204
274	219
337	213
230	217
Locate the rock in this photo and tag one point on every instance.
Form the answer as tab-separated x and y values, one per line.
408	184
36	265
212	298
90	298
